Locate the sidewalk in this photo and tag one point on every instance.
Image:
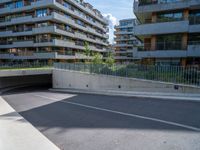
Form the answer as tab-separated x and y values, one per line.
18	134
168	96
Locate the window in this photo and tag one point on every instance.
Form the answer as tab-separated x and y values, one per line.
19	4
43	24
41	13
169	42
126	23
194	39
68	28
194	17
10	5
79	22
173	16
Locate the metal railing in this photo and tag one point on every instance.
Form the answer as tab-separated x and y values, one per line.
25	65
171	74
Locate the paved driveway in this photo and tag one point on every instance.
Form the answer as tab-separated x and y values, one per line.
95	122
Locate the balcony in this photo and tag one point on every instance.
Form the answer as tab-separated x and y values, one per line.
194	24
61	18
123	45
16	44
194	49
121	52
123	58
142	6
54	16
162	28
168	50
30	31
88	10
41	55
41	3
50	29
161	54
125	39
25	19
175	45
5	1
75	45
127	26
82	17
123	32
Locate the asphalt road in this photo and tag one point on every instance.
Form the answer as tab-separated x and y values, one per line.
95	122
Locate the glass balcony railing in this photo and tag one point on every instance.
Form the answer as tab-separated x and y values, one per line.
150	2
194	42
194	20
175	45
170	46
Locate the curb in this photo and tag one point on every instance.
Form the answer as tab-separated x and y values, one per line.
164	96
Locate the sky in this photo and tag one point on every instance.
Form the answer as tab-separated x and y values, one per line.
114	10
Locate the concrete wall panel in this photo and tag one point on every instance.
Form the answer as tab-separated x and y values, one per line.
75	80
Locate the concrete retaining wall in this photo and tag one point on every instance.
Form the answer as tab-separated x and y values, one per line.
75	80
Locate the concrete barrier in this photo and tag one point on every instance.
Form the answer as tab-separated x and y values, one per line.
64	79
24	72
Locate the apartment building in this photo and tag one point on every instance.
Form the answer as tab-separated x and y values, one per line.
50	30
170	31
125	40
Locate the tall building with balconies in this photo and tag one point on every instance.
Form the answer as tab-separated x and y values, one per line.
50	30
125	40
170	31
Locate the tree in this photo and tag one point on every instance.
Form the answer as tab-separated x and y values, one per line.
97	58
110	59
87	51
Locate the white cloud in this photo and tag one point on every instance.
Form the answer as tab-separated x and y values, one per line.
112	22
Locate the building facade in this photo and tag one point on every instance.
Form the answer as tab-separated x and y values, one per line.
170	31
125	40
50	30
